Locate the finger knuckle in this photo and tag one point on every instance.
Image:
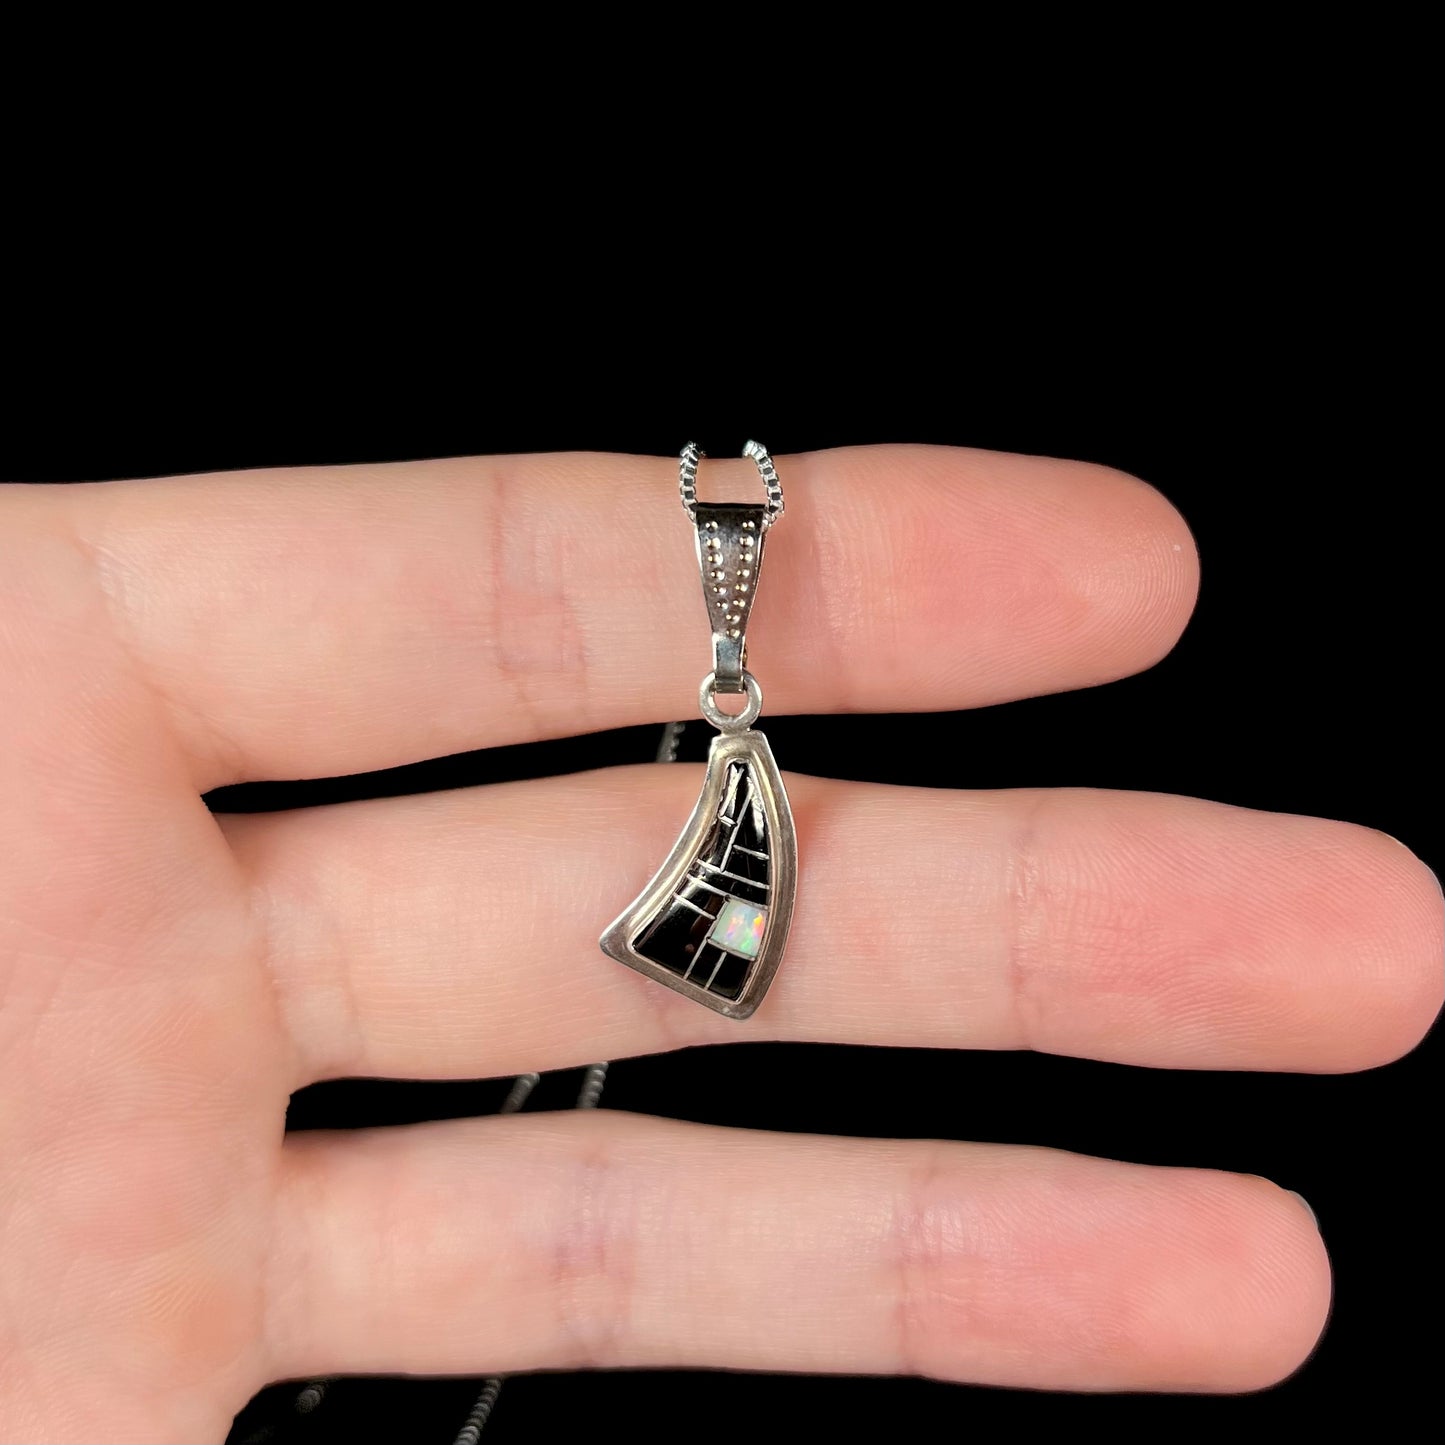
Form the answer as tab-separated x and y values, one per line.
590	1260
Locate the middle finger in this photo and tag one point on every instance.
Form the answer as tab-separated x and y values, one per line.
1136	927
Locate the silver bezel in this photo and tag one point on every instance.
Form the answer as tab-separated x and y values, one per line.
617	941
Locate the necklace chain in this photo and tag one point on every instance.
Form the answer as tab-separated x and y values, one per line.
595	1079
756	452
589	1094
588	1097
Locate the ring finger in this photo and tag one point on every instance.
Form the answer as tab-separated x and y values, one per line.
608	1240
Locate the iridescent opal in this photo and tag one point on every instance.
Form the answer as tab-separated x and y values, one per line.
739	927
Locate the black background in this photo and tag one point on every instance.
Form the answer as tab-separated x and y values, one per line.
1305	684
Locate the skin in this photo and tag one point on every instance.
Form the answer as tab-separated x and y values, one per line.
168	977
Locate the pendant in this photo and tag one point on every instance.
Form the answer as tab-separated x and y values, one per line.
713	922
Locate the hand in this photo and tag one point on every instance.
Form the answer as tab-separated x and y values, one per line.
168	977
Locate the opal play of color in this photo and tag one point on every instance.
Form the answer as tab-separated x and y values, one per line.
739	928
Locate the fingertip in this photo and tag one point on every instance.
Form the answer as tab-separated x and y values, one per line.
1286	1268
1398	956
1240	1297
1141	580
1026	574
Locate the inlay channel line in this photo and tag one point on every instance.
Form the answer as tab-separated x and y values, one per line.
738	914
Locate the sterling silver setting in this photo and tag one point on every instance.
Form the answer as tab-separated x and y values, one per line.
713	922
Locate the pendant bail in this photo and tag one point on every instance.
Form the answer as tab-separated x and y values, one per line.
730	557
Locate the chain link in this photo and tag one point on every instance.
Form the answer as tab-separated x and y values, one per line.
756	452
589	1095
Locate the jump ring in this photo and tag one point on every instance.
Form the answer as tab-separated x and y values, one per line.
727	722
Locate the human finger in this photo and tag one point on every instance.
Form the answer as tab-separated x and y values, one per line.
302	623
605	1240
455	934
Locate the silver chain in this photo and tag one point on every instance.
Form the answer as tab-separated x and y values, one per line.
595	1079
756	452
481	1412
588	1097
671	737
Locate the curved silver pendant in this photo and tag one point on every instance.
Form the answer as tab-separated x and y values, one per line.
713	923
714	920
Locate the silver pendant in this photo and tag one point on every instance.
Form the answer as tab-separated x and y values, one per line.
713	922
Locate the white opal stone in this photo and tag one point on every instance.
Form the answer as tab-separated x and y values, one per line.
740	927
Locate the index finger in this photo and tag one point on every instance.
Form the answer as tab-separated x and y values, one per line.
302	623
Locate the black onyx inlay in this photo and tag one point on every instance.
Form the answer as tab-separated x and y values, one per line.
732	863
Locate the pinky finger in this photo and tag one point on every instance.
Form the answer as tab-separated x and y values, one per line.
569	1240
